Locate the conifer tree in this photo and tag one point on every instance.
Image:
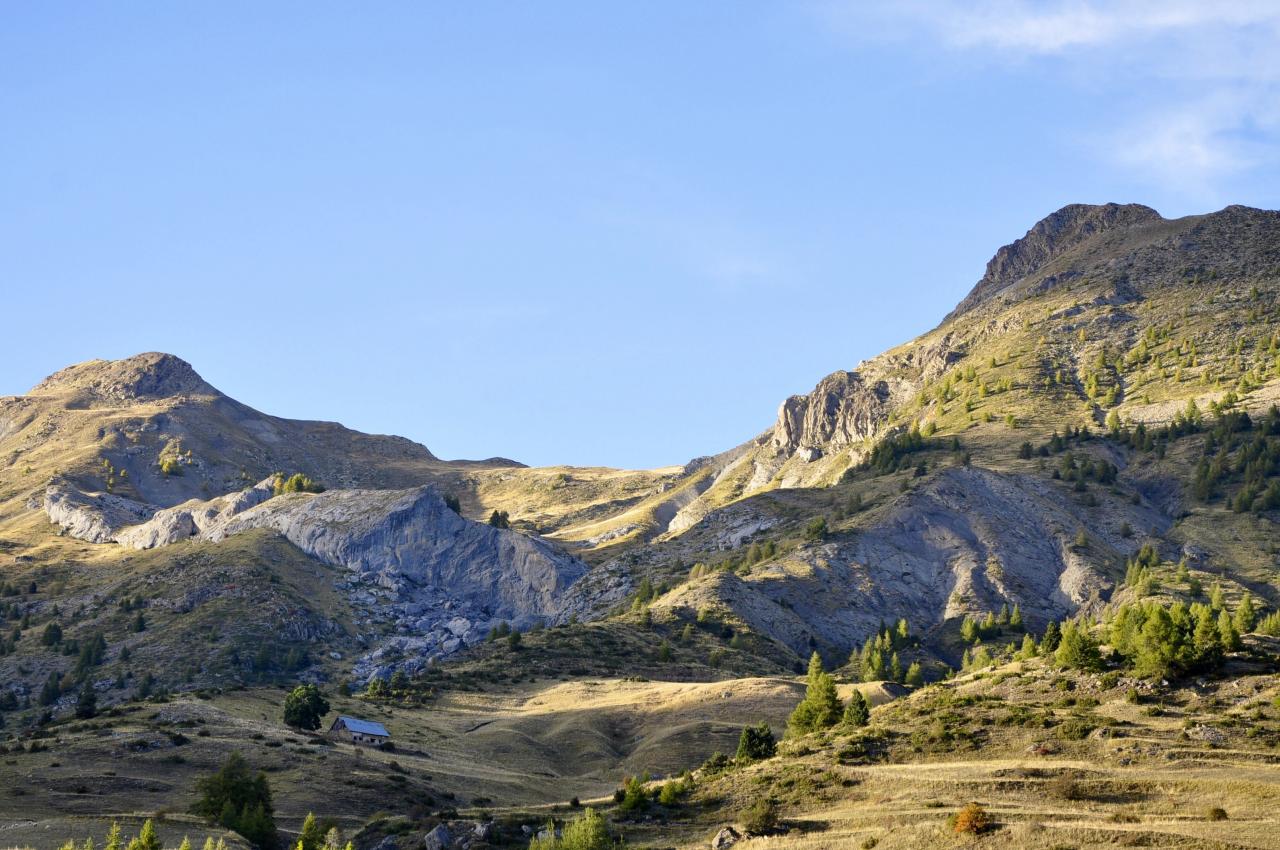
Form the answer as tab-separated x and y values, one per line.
820	708
87	703
1227	631
1077	649
856	711
1246	617
756	743
147	838
310	838
1052	636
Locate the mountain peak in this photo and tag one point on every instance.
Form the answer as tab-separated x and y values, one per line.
150	375
1053	235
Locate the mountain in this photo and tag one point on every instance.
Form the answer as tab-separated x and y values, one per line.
1099	314
1106	389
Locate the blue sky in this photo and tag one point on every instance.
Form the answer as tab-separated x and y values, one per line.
577	232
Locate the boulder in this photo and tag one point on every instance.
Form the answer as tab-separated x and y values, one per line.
726	837
437	839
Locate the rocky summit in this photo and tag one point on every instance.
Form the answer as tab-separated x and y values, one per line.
1028	556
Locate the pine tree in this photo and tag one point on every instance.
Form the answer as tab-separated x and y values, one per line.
1227	630
147	838
87	703
895	668
1015	617
820	708
1246	617
310	838
856	712
113	838
756	743
1077	649
1156	645
1052	636
52	689
914	676
1206	642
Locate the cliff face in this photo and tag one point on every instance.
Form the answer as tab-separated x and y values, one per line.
410	542
407	559
844	408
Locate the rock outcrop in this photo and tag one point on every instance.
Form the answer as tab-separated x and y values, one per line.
169	525
436	579
1049	238
95	517
409	540
843	409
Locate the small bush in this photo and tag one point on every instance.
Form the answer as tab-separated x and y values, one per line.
761	817
971	820
1074	729
671	792
1216	813
718	762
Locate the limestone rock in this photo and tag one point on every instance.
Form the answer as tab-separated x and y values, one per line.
95	517
404	540
437	839
191	518
725	838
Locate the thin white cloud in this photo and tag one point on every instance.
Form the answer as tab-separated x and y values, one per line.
1194	144
1061	26
1213	69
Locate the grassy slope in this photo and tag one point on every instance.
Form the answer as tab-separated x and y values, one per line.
1144	774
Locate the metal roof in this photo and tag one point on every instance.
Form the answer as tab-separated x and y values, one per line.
364	727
